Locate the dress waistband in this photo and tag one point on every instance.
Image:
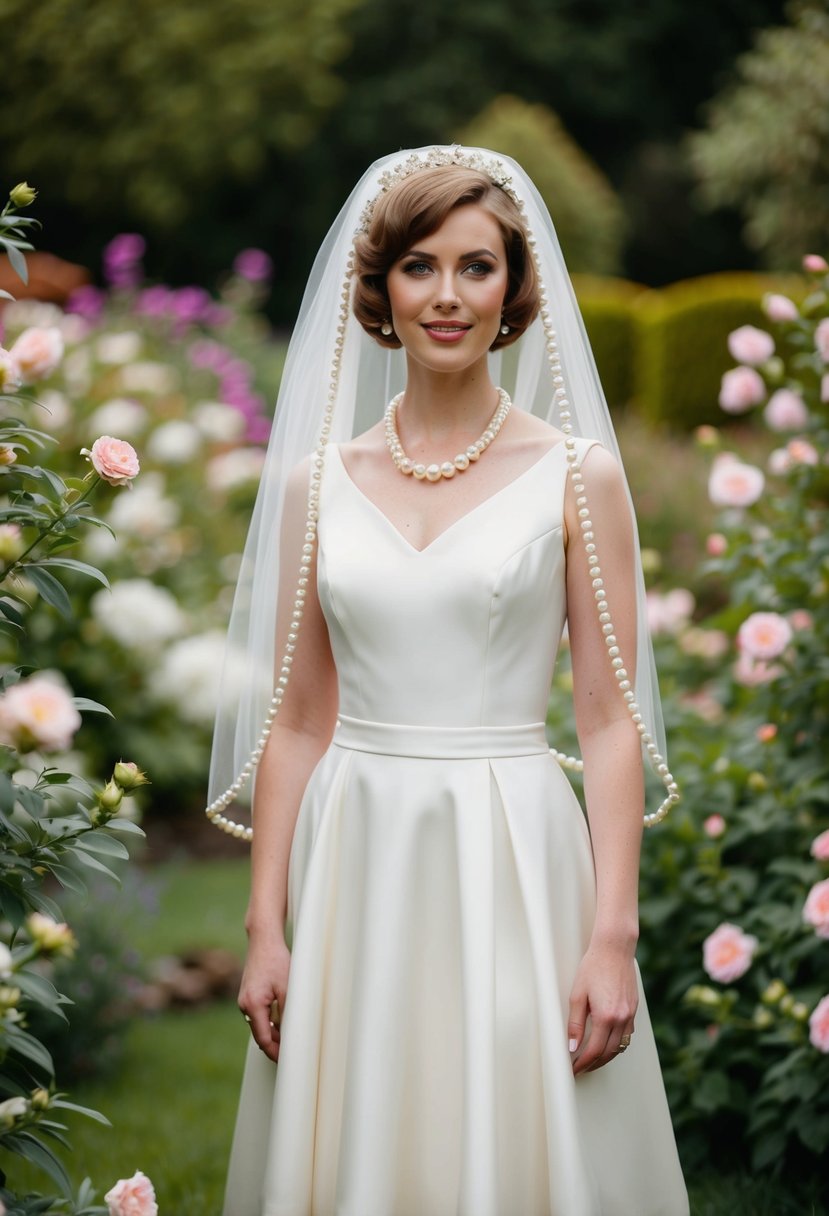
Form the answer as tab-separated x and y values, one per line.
440	742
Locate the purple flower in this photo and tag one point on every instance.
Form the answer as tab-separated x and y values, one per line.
153	302
86	301
122	259
259	429
206	353
190	304
254	265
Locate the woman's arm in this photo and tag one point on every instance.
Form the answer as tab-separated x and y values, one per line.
301	733
605	988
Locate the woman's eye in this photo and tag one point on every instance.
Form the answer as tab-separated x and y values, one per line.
479	268
417	268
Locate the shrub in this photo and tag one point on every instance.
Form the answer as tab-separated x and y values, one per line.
607	306
741	1012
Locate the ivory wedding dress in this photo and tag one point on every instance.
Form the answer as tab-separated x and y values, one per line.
441	890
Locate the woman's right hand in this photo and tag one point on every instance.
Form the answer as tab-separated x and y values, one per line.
263	990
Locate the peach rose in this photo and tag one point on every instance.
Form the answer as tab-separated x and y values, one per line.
800	451
779	308
115	460
824	388
750	672
820	846
37	352
38	713
819	1025
764	635
750	345
734	484
132	1197
9	372
816	908
821	340
786	411
740	389
714	826
716	544
801	618
727	953
766	732
814	263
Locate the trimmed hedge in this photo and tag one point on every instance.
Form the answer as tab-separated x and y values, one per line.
682	350
608	308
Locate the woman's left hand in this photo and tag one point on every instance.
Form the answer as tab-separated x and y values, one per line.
605	990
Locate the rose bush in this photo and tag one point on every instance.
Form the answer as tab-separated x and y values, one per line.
184	377
735	884
55	828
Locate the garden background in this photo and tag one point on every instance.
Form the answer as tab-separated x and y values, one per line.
188	158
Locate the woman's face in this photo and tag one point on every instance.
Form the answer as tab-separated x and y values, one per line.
447	292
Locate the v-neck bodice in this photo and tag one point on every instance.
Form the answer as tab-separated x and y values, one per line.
463	632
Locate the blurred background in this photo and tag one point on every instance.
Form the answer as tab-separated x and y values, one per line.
189	156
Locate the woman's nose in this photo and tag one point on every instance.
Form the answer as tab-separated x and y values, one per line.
446	292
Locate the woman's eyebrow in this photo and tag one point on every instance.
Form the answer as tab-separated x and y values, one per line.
464	257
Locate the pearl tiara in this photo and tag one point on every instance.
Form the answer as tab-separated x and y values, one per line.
434	158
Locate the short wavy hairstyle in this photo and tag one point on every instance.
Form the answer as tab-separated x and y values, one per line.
416	207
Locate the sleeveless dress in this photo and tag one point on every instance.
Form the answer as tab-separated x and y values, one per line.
441	890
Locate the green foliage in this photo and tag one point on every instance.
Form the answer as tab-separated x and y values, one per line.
766	148
582	202
682	354
158	101
748	736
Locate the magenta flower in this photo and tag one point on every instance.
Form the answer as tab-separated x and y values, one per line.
153	302
254	265
87	301
727	953
815	264
122	260
740	389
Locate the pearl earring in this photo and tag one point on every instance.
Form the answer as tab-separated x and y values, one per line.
505	329
386	329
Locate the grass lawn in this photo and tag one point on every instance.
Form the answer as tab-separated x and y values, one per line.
173	1102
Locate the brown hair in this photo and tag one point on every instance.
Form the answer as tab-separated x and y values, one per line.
416	207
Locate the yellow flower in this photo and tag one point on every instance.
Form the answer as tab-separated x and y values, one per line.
23	194
51	936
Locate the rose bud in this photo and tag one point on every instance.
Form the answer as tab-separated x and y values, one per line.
129	775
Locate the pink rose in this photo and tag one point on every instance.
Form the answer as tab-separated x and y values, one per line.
750	345
820	846
705	643
766	732
779	308
132	1197
819	1025
779	463
821	339
115	460
764	635
786	411
740	389
749	672
668	613
714	826
727	953
801	618
734	484
824	388
9	373
814	263
816	908
37	352
37	713
800	451
716	544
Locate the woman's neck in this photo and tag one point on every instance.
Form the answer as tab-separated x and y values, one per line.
438	405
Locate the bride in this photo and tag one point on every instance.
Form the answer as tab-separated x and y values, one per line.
441	945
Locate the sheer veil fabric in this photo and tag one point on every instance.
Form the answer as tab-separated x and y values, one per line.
336	383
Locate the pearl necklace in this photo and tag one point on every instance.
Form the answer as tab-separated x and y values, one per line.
434	472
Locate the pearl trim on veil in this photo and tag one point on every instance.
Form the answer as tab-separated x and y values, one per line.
495	170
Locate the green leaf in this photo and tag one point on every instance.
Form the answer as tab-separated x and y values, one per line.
71	563
101	842
88	859
125	825
60	1104
16	258
68	879
50	589
91	707
39	989
27	1045
41	1155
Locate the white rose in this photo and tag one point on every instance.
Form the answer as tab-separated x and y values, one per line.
191	675
174	442
120	416
124	347
219	422
138	614
235	468
145	512
5	961
147	377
